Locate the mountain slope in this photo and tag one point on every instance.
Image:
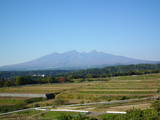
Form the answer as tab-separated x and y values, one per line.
74	60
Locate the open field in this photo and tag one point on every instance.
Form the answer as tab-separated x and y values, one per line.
11	101
122	87
98	111
115	88
46	88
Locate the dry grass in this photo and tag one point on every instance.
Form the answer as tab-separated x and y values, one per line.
130	86
128	107
46	88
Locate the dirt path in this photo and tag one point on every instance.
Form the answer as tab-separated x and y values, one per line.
115	101
48	108
22	95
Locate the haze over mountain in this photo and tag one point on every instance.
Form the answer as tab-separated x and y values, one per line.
74	60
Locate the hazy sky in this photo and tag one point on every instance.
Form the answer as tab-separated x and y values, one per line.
33	28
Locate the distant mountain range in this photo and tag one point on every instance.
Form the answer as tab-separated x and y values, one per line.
75	60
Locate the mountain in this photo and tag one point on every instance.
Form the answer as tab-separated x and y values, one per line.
74	60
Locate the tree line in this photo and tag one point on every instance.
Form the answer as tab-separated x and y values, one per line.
15	78
26	80
120	70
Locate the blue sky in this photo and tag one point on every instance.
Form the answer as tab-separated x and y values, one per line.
33	28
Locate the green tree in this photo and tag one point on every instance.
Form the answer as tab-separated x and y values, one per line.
8	83
20	80
89	76
49	79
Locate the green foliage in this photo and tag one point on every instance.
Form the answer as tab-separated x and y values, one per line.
137	114
8	108
134	114
121	70
113	117
32	100
28	77
75	117
19	80
36	105
60	101
124	98
22	80
158	90
19	104
156	105
8	84
50	79
11	101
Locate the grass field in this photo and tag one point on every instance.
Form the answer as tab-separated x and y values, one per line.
107	89
45	88
11	101
116	88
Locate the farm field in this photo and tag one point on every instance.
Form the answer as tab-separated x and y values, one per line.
142	81
50	115
45	88
109	89
123	87
11	100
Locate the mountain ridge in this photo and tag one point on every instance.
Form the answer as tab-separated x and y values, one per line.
75	60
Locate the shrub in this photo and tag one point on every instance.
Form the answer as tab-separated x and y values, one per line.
36	105
158	90
137	114
156	105
60	101
32	100
133	114
75	117
8	108
123	98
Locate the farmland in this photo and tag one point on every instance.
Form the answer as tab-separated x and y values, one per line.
95	90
